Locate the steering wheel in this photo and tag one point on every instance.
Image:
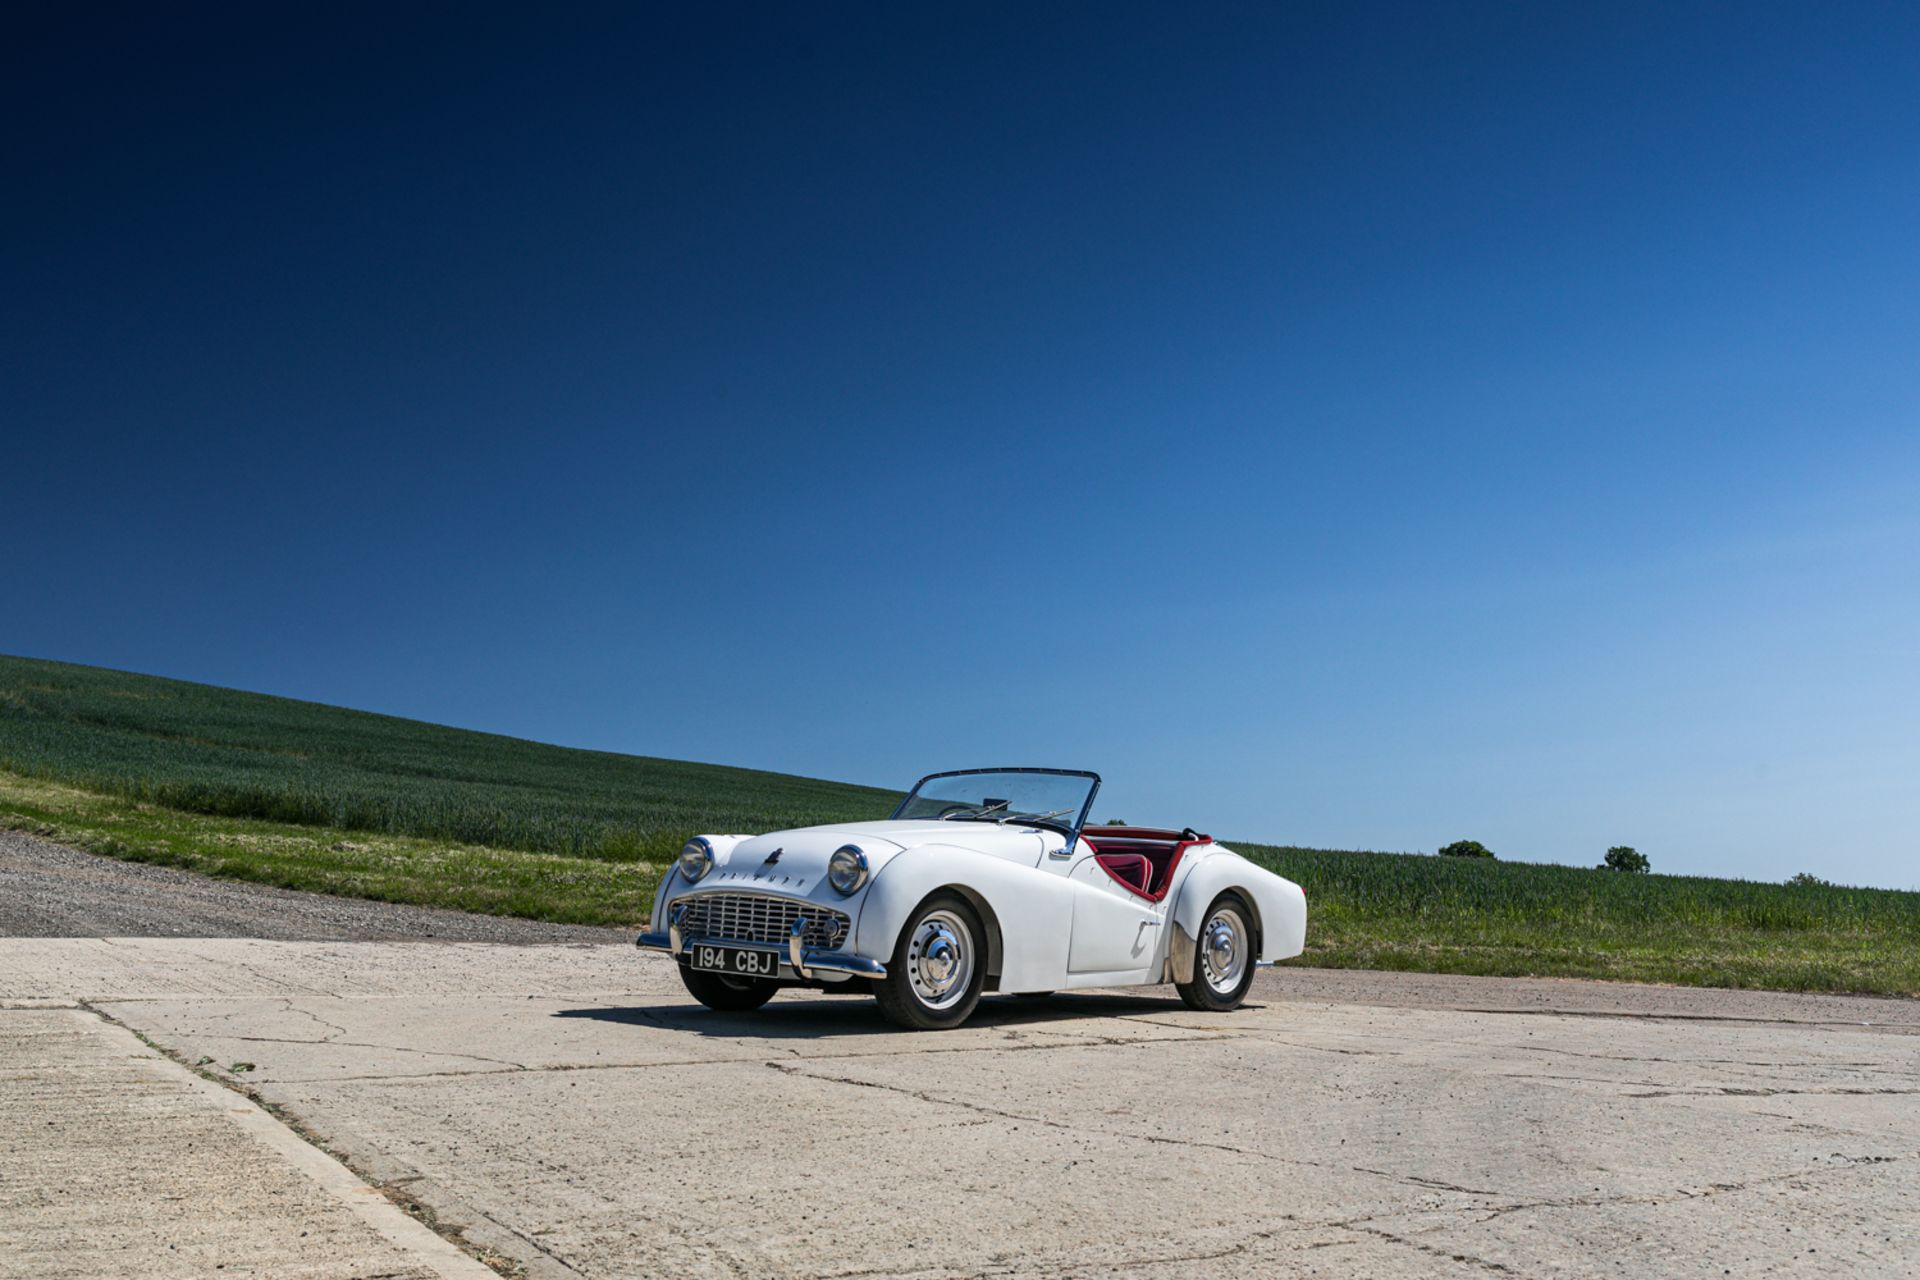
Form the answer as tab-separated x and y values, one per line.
954	808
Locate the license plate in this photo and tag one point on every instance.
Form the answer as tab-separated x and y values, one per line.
748	962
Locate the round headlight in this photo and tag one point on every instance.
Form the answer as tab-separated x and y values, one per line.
696	859
847	869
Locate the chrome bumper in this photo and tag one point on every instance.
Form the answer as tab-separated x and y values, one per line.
797	961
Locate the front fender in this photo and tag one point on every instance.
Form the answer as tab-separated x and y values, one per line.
1029	912
1278	901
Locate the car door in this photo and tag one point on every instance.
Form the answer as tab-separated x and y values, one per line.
1115	931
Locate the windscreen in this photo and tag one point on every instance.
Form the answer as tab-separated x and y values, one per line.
1053	799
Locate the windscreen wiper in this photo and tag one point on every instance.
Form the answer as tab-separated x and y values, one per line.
1033	817
977	811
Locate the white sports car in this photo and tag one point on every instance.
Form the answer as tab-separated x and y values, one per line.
982	880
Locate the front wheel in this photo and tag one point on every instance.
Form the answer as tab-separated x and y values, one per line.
938	966
725	992
1223	959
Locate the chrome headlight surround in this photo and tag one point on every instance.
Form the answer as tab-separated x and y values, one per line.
696	859
847	869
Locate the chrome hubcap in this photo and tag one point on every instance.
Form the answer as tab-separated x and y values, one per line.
1223	950
940	959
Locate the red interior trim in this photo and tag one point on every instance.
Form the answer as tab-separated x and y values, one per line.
1123	850
1134	870
1103	834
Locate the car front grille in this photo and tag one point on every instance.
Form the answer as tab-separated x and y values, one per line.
763	918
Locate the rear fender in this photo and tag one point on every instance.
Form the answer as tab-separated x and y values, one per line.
1279	907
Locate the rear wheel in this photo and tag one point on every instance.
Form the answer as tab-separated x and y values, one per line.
725	992
1223	957
938	966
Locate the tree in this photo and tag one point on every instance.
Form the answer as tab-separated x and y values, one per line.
1116	822
1808	880
1465	849
1624	857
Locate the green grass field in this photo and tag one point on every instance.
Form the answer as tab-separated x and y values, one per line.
220	752
316	797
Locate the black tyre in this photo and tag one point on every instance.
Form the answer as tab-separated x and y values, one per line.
726	993
939	965
1223	959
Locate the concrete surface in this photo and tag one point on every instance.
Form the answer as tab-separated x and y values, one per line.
118	1162
571	1108
50	891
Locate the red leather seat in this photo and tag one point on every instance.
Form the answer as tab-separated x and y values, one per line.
1135	870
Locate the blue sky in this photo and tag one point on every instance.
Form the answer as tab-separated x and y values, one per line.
1366	426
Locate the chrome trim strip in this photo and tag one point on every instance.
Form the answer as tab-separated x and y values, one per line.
674	917
795	935
841	962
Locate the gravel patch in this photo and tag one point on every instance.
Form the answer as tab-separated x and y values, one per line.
50	891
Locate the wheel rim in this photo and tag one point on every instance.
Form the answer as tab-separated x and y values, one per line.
1223	950
940	959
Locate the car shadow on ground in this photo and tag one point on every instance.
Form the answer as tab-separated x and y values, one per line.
852	1016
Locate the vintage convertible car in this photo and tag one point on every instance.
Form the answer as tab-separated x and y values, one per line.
982	880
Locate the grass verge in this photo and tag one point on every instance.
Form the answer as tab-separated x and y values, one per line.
355	864
1439	915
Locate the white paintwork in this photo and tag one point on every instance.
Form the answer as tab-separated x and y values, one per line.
1028	910
1056	921
1114	929
1279	902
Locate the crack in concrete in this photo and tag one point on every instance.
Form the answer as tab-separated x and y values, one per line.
754	1058
275	985
1194	1033
394	1048
1327	1048
893	1273
1432	1183
1897	1028
334	1027
1485	1264
1211	1035
794	1069
1736	1091
1069	1268
509	1069
1683	1193
1016	1038
1678	1062
1108	1265
1555	1079
522	1236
